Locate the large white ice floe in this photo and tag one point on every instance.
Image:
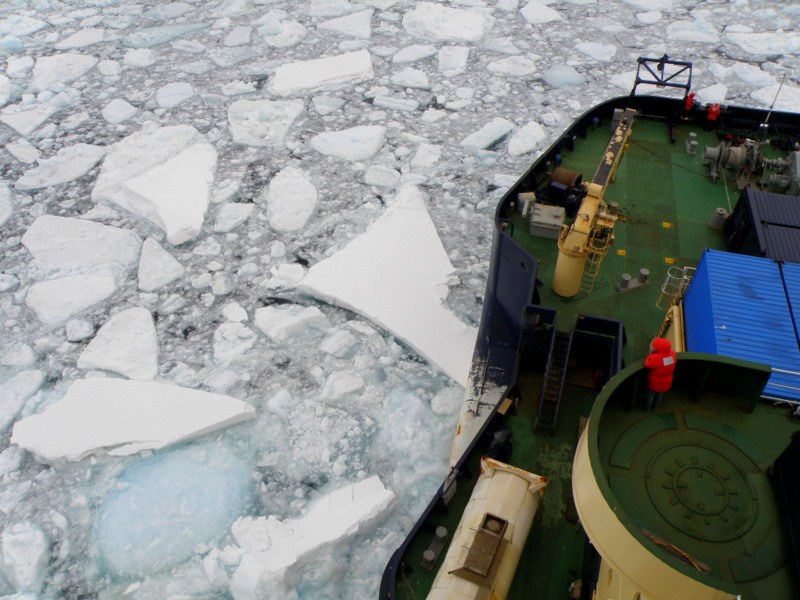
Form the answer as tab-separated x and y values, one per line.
157	267
291	200
119	417
81	38
64	243
538	13
126	344
355	25
24	558
331	71
765	43
166	506
172	94
356	143
147	37
57	300
488	135
784	98
275	550
282	35
262	122
24	120
14	392
439	23
162	174
526	139
396	274
279	323
59	68
68	164
699	31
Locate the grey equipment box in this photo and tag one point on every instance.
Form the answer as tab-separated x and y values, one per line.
546	221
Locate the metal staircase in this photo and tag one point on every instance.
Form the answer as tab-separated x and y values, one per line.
553	382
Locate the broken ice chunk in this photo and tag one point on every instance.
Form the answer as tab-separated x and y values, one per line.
488	135
77	244
157	267
262	122
291	200
162	174
125	344
353	67
443	24
56	301
280	323
399	281
69	164
355	143
276	550
120	417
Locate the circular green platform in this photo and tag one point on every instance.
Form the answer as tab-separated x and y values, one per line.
703	491
697	487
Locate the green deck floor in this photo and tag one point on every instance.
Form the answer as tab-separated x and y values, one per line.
666	201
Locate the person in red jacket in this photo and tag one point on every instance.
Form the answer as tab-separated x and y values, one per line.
661	364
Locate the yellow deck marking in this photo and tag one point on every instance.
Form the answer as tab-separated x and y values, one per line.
622	252
666	225
669	261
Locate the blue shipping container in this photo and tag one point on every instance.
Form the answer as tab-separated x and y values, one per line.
744	307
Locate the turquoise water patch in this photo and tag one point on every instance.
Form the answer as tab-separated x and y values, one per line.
166	505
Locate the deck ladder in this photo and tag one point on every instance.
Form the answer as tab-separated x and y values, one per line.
597	250
553	382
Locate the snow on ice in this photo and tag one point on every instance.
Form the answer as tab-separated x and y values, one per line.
488	135
25	120
355	25
538	13
119	417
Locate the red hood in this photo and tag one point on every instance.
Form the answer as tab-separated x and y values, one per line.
661	345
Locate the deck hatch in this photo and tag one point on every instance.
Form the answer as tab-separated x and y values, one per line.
739	306
485	554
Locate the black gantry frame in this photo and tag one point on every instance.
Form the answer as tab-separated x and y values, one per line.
653	71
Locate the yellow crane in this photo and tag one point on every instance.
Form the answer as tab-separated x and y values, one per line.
583	244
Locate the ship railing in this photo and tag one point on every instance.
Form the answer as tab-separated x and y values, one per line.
779	400
675	285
